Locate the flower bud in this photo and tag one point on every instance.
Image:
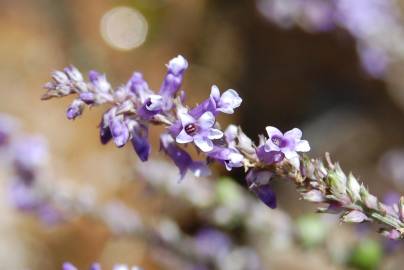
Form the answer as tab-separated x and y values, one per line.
314	196
353	188
354	216
75	109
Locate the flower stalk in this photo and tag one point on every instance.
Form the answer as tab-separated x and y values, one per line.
134	107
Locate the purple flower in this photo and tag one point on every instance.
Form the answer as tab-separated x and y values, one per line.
173	80
95	266
269	157
99	82
226	102
289	143
230	157
68	266
199	130
140	141
181	158
138	86
119	131
258	181
75	109
152	106
87	97
105	132
7	126
212	243
73	73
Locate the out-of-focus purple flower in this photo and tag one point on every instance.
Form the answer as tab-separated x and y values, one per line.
212	243
68	266
87	97
140	141
258	181
391	198
138	86
95	266
230	157
173	80
29	154
119	131
75	109
73	73
226	102
7	126
200	131
373	60
289	143
181	158
392	234
99	81
23	197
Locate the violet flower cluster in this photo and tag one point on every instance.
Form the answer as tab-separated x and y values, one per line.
134	106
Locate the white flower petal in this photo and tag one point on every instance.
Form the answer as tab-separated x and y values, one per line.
289	154
270	146
295	161
203	143
207	120
215	92
303	146
215	134
231	133
273	131
230	100
295	133
183	137
185	118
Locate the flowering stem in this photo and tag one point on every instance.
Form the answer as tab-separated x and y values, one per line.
134	107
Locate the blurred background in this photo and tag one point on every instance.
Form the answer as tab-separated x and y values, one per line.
332	68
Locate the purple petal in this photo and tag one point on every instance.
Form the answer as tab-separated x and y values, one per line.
269	157
266	195
119	131
95	266
68	266
105	132
141	143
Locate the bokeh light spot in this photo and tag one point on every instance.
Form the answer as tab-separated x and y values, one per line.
124	28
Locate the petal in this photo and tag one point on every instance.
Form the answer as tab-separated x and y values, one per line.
270	146
215	93
295	161
215	134
207	120
185	118
183	137
273	131
266	195
303	146
295	133
203	143
289	154
229	101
